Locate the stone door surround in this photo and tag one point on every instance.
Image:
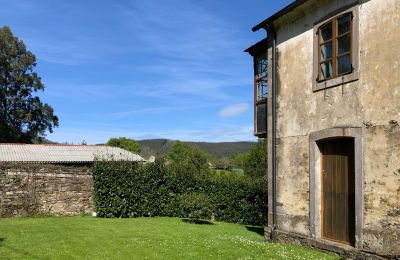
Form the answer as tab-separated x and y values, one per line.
315	178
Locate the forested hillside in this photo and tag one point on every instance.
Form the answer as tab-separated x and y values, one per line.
224	149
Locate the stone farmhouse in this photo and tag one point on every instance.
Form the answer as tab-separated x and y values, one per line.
51	179
327	98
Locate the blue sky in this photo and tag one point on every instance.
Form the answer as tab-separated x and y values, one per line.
144	69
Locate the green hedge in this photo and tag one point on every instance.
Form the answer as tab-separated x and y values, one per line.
124	189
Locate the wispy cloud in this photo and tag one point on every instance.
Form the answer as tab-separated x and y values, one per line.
187	87
57	33
191	51
177	46
233	110
71	52
139	68
222	133
200	33
158	110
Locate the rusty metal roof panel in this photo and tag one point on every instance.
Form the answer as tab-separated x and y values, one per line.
38	153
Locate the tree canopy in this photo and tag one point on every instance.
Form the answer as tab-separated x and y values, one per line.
125	143
255	163
23	117
184	157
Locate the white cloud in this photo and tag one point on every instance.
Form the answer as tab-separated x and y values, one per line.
132	63
233	110
194	53
219	133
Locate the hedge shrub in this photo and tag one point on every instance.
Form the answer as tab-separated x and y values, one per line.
196	205
125	189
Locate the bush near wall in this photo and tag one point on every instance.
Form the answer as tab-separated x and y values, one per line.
125	189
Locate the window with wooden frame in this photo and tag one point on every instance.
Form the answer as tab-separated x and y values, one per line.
335	47
336	52
260	94
259	52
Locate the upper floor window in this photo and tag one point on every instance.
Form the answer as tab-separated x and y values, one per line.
262	65
335	47
261	94
259	51
261	76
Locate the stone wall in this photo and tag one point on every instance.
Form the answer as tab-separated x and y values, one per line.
45	189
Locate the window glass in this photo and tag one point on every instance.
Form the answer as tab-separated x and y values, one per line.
262	90
344	44
262	66
344	64
326	32
326	70
261	118
335	47
344	24
326	51
261	95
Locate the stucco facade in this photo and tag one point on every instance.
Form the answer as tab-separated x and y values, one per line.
365	108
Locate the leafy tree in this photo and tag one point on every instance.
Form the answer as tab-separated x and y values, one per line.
183	157
124	143
239	159
255	164
23	117
223	163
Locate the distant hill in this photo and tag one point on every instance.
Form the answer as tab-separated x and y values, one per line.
162	146
43	141
224	149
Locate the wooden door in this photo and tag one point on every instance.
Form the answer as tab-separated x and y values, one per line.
338	209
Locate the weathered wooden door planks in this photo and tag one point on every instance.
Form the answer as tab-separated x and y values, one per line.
338	209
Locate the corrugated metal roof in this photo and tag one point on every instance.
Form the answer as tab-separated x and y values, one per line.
45	153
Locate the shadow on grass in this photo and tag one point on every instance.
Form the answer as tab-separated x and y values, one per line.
197	221
2	240
258	230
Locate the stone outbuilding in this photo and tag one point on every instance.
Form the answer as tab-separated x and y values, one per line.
51	179
327	98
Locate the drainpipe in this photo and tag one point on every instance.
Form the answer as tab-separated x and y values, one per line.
272	33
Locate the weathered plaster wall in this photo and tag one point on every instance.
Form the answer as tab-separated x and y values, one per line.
48	189
372	102
382	189
293	185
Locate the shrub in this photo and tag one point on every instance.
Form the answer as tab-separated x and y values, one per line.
255	163
126	189
189	160
196	205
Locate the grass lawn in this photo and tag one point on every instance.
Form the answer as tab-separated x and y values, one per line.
140	238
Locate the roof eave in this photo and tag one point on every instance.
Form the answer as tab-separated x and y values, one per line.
254	49
275	16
